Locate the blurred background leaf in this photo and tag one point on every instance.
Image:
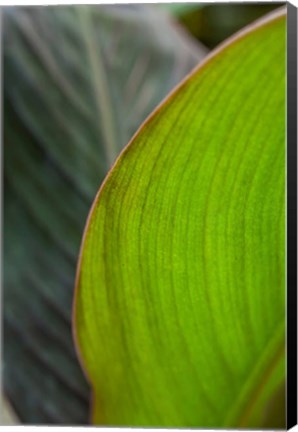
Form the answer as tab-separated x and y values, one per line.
7	415
212	23
181	9
78	83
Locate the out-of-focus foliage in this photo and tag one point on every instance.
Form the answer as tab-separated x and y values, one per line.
78	82
181	9
7	416
212	23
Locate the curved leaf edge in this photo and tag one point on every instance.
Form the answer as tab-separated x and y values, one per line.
267	20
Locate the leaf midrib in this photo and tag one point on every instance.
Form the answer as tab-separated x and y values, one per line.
102	98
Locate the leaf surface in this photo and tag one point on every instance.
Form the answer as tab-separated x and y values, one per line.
179	309
78	83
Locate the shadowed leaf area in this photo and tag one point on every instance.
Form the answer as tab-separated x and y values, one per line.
179	307
78	83
212	23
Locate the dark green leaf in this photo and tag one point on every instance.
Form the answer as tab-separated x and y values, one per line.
181	9
78	82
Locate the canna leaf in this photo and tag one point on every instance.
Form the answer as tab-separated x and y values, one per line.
78	83
179	311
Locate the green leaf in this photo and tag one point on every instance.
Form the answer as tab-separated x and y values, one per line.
78	83
180	303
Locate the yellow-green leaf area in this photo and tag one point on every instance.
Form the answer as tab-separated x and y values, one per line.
180	302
